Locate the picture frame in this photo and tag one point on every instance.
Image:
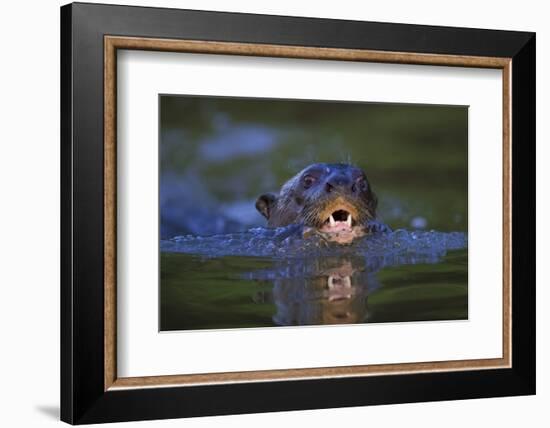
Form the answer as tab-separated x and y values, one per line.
91	35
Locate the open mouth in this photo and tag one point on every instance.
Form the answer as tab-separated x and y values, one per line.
338	221
339	287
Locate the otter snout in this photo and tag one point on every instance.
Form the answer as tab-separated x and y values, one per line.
339	182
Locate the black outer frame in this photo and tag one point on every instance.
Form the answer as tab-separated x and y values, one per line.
83	399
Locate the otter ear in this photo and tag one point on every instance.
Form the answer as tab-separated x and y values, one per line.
264	204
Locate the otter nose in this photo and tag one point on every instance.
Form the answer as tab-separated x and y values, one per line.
338	182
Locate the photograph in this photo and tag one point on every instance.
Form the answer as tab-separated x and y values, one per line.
292	212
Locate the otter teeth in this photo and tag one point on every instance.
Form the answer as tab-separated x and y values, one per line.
332	221
343	282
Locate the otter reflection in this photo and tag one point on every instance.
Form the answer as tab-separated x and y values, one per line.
328	290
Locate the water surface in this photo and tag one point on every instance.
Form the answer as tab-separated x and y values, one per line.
274	277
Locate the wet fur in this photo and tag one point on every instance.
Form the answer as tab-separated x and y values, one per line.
311	207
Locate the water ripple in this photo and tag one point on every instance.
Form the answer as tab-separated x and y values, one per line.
287	242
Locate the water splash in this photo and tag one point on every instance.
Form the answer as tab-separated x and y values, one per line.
401	246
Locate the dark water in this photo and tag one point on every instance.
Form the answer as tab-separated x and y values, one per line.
220	268
268	277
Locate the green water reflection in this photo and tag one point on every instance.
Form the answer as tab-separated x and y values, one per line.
200	293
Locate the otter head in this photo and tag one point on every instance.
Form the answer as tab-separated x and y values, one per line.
335	200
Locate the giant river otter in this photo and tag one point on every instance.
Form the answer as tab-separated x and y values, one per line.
333	200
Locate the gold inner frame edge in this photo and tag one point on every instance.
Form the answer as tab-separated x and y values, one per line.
113	43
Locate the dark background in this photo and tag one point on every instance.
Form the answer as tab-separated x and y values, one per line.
218	154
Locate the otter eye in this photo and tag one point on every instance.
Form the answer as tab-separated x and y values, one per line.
361	182
308	181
